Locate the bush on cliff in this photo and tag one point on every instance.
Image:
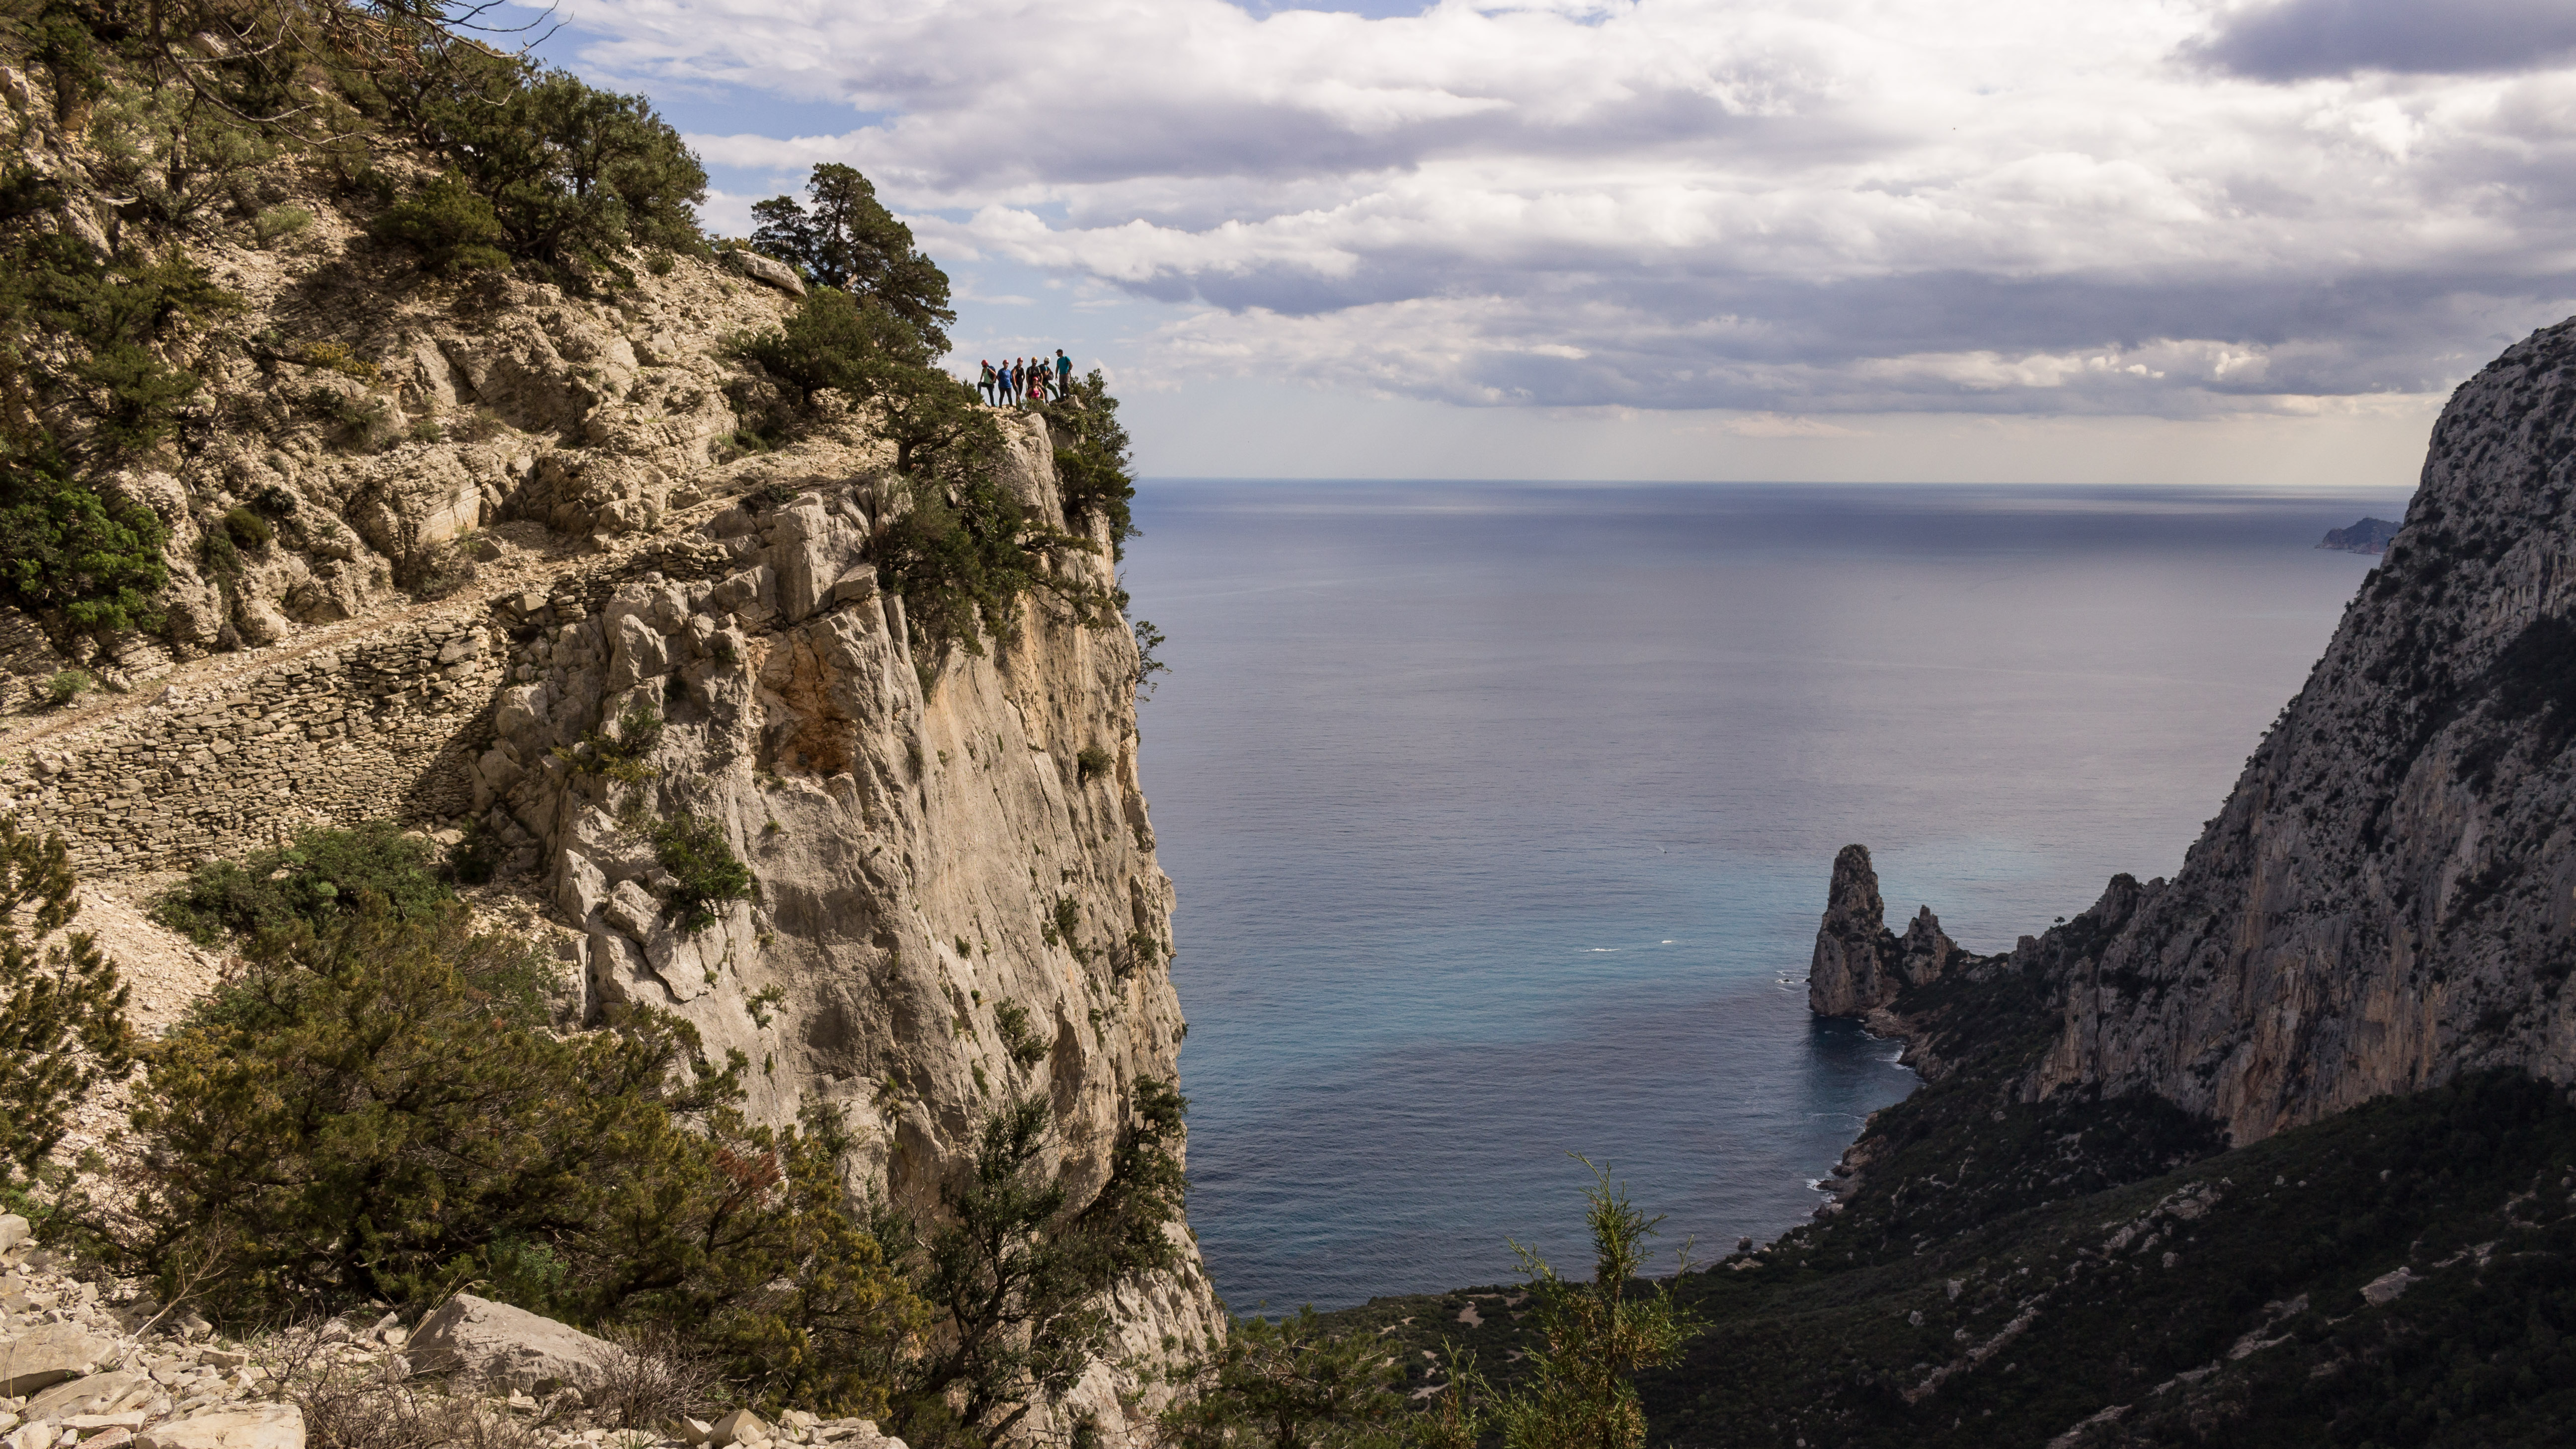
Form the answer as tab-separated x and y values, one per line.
569	171
1019	1277
313	882
1095	468
62	1006
377	1112
962	566
64	547
453	229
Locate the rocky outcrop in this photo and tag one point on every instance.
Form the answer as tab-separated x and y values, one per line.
2387	899
1859	964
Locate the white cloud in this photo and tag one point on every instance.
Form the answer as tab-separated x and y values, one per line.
1790	207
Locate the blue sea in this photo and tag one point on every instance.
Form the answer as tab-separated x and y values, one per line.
1502	817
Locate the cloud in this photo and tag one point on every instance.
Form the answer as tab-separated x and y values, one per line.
2300	39
1793	207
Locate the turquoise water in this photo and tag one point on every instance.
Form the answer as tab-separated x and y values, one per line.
1502	816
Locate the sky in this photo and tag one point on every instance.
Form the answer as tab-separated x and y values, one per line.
2249	242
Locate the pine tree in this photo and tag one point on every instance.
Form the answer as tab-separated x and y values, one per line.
1580	1392
62	1006
851	243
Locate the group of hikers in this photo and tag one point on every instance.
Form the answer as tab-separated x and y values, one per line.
1031	379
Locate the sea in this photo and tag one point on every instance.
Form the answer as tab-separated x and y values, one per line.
1502	817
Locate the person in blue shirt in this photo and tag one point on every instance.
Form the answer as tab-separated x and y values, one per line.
1063	373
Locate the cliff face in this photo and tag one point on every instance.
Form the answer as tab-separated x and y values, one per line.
507	516
2387	899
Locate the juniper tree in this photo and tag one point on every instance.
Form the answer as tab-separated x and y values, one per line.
62	1006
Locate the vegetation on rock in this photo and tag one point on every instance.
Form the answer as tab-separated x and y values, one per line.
62	1005
377	1110
312	883
849	242
1019	1275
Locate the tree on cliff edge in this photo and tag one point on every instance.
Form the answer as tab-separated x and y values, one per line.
851	243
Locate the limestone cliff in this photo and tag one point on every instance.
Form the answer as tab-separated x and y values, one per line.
506	514
2387	899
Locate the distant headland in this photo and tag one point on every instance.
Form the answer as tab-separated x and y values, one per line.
2371	535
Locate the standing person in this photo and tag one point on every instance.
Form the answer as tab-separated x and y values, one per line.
988	383
1063	373
1011	380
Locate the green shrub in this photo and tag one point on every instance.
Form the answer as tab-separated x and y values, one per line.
851	243
322	876
568	171
1095	471
247	528
961	568
704	870
1019	1273
1091	764
378	1113
1293	1384
1149	641
279	222
1018	1038
619	755
173	149
65	547
68	685
55	290
1581	1388
452	228
62	1007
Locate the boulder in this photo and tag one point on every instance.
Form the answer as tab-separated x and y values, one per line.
13	1231
763	270
506	1345
46	1355
94	1394
242	1426
742	1426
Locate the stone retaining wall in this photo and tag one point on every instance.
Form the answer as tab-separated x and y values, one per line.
380	726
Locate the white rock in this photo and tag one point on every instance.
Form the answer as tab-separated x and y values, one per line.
2388	1287
507	1345
13	1231
249	1426
87	1395
47	1355
742	1426
762	269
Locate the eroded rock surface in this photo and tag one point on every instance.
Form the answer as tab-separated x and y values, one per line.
2387	898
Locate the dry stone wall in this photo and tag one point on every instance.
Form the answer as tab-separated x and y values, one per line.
377	727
